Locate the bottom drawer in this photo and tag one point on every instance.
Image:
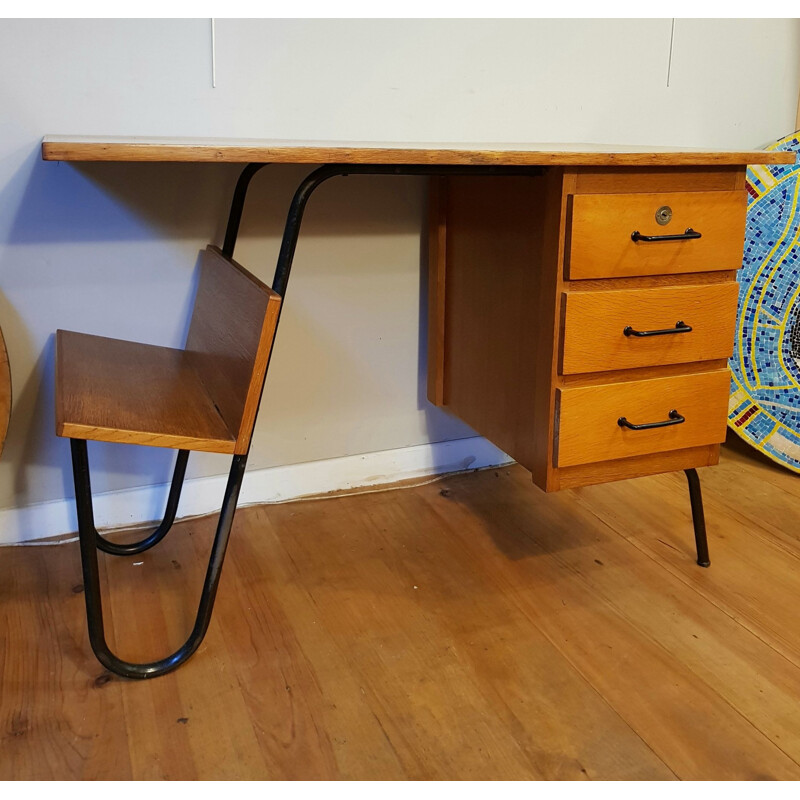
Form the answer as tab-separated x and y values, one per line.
588	418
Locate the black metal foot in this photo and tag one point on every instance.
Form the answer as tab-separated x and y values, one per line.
698	518
91	579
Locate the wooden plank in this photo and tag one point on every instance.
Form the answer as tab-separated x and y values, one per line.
426	643
635	467
611	180
60	717
117	391
79	148
754	560
567	636
313	715
594	324
653	281
588	429
230	340
175	730
642	373
681	673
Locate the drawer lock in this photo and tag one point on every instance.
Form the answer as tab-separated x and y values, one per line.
663	215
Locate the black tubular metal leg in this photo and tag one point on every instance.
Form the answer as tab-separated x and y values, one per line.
237	206
698	518
91	579
134	548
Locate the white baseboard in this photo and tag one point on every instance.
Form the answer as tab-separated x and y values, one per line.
132	507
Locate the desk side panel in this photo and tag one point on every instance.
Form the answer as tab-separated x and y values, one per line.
501	256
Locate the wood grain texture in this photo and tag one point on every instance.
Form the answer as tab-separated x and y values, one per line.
611	180
5	392
204	397
437	271
587	429
80	148
473	627
230	340
116	391
642	373
600	244
503	315
622	469
502	275
653	281
594	324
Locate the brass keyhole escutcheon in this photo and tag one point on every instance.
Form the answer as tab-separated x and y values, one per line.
663	215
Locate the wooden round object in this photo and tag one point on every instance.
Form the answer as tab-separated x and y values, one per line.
5	391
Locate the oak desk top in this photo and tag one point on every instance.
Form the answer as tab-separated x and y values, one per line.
92	148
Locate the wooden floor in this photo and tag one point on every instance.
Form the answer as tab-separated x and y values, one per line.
469	628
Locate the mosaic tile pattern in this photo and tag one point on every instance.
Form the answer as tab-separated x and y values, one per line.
764	406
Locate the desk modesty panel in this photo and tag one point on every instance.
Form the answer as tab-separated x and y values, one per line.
581	314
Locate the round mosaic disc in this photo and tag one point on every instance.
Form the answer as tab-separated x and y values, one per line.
764	407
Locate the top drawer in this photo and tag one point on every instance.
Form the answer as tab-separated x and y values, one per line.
600	241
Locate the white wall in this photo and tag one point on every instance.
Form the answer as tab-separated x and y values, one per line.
111	248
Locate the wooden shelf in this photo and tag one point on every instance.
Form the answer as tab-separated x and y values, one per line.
117	391
88	148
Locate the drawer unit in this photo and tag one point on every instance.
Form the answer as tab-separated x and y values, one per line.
628	328
534	281
633	418
625	235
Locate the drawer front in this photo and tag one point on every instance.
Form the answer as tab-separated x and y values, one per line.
600	243
595	325
588	428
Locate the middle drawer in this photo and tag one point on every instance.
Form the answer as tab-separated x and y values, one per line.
629	328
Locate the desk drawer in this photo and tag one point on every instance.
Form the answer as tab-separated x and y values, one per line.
587	421
595	325
600	235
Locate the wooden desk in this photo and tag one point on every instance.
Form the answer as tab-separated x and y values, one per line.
542	284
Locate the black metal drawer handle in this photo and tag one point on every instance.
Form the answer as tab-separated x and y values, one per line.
673	237
674	419
680	327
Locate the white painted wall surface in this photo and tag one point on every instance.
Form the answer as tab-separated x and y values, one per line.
112	248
